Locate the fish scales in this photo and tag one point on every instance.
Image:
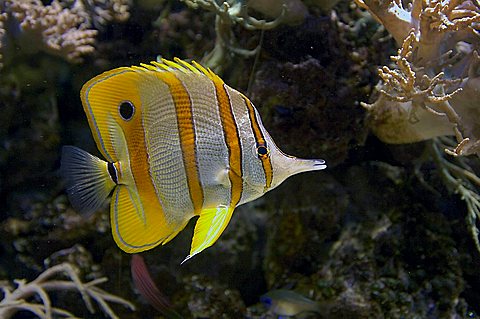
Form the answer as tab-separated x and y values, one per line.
178	142
167	169
186	129
232	139
212	154
250	163
259	136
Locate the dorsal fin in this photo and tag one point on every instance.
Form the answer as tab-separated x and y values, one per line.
178	65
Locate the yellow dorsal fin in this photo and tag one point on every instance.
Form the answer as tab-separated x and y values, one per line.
135	229
187	65
149	66
209	227
178	65
174	65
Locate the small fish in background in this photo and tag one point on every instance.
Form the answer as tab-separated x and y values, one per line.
148	289
283	302
178	143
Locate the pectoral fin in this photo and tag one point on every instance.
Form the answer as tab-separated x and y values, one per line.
209	227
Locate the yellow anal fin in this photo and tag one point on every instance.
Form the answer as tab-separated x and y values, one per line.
134	228
209	227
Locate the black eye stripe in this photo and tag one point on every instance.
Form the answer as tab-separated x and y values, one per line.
113	172
126	110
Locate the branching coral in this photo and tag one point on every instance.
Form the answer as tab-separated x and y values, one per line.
433	88
233	12
100	12
459	178
15	300
51	28
62	28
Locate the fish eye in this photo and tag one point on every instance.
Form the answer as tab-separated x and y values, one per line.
126	110
262	151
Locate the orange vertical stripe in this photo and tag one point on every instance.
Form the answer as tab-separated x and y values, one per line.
186	129
232	140
259	138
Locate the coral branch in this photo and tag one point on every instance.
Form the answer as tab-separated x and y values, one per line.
16	300
459	179
435	77
229	13
61	28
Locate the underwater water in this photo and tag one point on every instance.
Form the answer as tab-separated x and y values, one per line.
387	230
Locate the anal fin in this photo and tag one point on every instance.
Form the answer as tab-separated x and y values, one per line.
135	227
209	227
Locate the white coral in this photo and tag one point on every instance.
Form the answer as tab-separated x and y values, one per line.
17	299
434	87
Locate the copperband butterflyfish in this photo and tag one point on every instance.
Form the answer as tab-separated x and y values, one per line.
177	142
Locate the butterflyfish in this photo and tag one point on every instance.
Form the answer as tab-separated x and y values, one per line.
177	142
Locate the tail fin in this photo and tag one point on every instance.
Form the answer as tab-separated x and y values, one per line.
87	179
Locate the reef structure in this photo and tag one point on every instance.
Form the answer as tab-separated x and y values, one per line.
231	12
433	87
62	28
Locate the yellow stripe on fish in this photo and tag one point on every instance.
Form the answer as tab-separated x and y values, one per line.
178	142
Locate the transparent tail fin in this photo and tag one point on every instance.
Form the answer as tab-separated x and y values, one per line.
87	179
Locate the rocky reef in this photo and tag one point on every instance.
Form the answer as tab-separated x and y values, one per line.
388	230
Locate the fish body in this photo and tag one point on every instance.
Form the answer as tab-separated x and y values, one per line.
178	142
282	302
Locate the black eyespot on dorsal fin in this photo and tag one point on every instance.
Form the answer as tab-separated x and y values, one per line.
126	109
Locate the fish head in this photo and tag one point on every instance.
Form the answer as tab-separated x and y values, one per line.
265	165
284	166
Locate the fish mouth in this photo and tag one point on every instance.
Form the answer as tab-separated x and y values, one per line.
319	162
300	165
